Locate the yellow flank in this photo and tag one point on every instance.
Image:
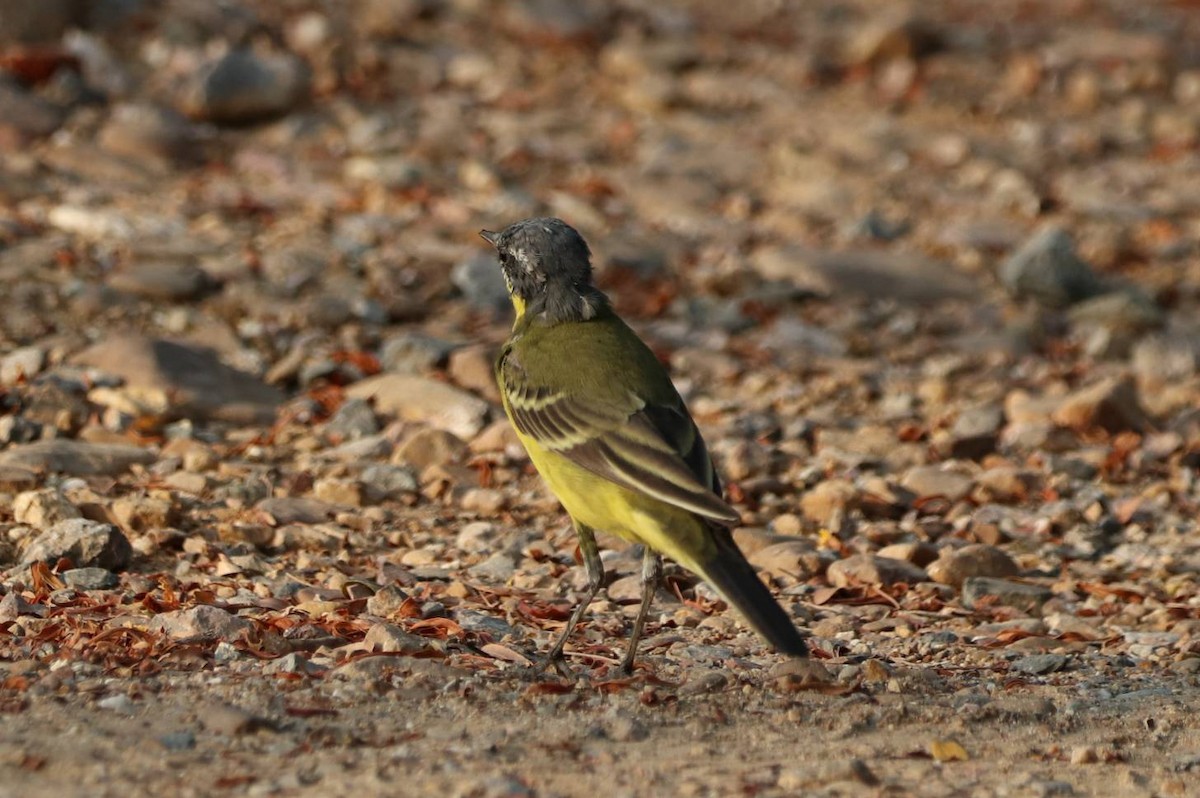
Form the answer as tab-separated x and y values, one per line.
607	507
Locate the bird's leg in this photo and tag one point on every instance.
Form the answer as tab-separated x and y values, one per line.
651	574
595	578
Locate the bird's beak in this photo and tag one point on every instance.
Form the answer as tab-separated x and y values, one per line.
489	236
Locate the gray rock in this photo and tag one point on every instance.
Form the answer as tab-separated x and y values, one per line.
297	510
23	362
976	431
865	273
386	601
354	419
392	639
982	591
934	480
143	130
482	623
415	398
1111	404
203	623
243	86
167	280
1040	664
43	508
85	543
955	566
870	569
1047	269
414	353
192	380
383	482
90	578
480	280
497	568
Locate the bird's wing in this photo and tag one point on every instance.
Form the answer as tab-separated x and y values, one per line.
651	448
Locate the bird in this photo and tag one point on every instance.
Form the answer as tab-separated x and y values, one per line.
610	435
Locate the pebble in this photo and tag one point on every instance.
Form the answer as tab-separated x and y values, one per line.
202	623
981	591
430	447
414	353
192	380
90	578
1111	404
77	458
87	544
43	508
1040	664
415	398
391	639
870	569
955	566
226	719
936	480
480	280
828	500
245	86
22	363
1047	269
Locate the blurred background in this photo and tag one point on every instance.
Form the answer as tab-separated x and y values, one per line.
865	210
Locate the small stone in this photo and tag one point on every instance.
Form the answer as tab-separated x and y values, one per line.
89	578
957	565
245	86
415	398
186	482
391	639
294	663
203	623
430	447
477	536
143	513
166	280
178	740
385	482
797	559
192	380
481	281
935	480
827	499
499	568
981	592
77	458
918	553
1040	664
43	508
472	367
1110	404
22	363
414	353
976	431
85	543
386	601
1047	269
484	501
353	420
869	569
346	492
297	510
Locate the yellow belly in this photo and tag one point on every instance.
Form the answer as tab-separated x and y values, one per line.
607	507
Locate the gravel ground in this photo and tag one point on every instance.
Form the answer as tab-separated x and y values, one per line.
928	281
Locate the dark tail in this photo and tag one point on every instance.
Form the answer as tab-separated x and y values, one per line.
738	583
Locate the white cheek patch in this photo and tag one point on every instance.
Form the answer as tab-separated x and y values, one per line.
526	263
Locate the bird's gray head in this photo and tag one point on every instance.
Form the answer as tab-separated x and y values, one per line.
548	268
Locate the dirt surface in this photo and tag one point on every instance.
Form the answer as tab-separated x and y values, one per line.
928	280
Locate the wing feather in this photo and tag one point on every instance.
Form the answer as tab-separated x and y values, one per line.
650	448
